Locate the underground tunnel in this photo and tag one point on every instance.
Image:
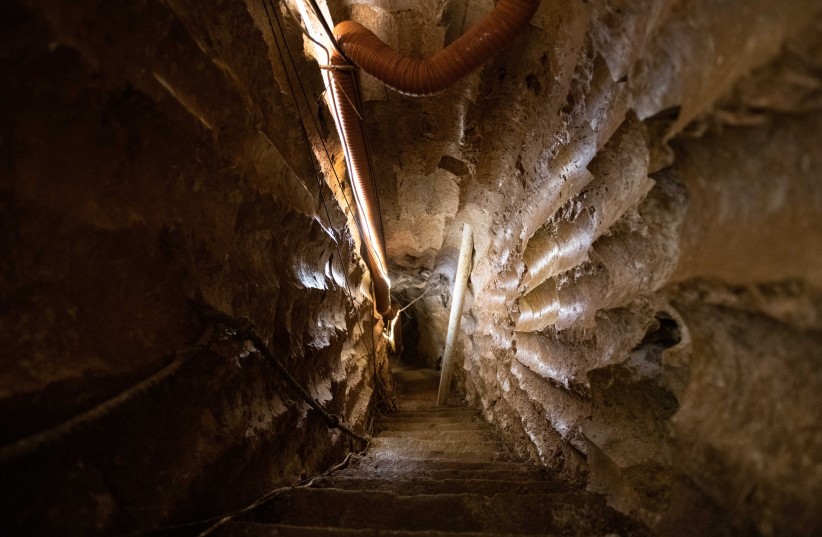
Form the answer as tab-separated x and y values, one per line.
411	268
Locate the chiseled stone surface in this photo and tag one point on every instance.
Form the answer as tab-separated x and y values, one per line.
151	158
616	160
643	314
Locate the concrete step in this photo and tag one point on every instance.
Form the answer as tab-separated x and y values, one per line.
398	448
459	418
421	390
434	455
434	412
425	406
429	397
456	447
427	403
252	529
427	425
568	513
422	465
411	375
455	439
473	436
532	473
462	416
427	389
442	486
415	381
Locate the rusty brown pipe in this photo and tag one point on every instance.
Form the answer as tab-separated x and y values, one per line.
435	74
348	114
416	77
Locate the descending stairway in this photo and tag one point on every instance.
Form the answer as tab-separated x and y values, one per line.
435	472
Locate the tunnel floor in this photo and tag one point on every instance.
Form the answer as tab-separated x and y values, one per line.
432	472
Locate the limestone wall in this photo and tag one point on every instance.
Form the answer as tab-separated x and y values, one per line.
152	158
643	183
643	314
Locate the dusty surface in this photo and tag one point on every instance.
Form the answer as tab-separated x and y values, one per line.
151	157
435	472
643	315
615	161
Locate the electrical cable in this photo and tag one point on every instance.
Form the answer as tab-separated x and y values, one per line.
303	29
308	142
218	521
345	96
328	32
39	441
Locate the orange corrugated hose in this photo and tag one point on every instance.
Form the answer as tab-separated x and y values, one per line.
344	92
435	74
414	77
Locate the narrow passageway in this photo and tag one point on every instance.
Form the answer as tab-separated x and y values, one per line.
432	471
221	221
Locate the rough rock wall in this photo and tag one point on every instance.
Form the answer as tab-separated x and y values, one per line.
643	182
152	157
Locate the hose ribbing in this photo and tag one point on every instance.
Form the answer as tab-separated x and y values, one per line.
437	73
345	94
411	76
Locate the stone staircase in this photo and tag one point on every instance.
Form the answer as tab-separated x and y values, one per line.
435	472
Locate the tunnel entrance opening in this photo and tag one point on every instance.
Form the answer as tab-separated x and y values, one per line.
407	352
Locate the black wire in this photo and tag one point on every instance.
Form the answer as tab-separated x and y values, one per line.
357	107
308	143
265	498
299	110
360	205
304	130
305	32
373	349
319	14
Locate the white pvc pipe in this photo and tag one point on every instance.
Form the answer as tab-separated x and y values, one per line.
460	283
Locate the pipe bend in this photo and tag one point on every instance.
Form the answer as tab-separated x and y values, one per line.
435	74
412	76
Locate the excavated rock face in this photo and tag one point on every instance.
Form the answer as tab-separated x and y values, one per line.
643	181
152	158
644	310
